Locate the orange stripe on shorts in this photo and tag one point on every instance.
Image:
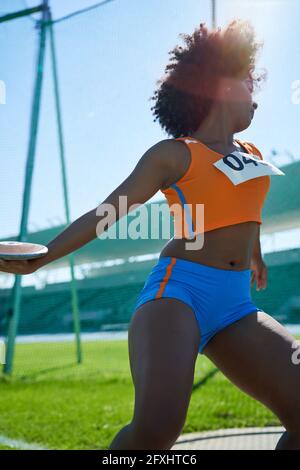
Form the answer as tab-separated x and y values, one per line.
165	279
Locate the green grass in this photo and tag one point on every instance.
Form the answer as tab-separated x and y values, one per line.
52	401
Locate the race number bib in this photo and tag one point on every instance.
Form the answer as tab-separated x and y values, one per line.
240	167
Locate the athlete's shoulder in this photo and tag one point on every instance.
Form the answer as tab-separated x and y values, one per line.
176	155
175	142
170	150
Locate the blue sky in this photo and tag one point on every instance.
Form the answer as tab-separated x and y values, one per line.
109	60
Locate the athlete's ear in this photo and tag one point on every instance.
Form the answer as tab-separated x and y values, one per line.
224	90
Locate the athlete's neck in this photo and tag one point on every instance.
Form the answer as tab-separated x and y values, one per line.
216	131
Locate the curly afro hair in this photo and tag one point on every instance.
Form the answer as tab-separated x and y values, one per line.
184	98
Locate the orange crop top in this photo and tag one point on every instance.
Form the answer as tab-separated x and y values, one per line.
224	202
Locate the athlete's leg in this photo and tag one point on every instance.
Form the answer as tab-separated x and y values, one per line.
163	341
257	354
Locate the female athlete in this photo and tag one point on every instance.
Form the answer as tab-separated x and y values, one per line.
197	300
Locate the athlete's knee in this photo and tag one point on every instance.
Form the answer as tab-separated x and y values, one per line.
288	441
293	426
156	435
290	418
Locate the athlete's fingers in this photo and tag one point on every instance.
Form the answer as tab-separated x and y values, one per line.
3	265
14	266
262	278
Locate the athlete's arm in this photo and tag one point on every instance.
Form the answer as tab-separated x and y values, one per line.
152	172
256	254
259	269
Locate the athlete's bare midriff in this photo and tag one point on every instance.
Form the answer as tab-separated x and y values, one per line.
227	247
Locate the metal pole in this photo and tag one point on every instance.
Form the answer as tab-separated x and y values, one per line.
213	13
74	296
17	292
19	14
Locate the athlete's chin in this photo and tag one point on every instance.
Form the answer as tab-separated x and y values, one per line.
243	125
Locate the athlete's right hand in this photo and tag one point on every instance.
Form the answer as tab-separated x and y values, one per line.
18	267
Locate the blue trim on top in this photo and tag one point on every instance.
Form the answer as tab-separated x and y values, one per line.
185	208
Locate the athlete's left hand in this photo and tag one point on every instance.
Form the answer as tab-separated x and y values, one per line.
259	273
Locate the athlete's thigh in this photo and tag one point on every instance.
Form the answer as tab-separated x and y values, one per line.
163	341
257	354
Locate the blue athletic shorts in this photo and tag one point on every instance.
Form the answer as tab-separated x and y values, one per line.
218	297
